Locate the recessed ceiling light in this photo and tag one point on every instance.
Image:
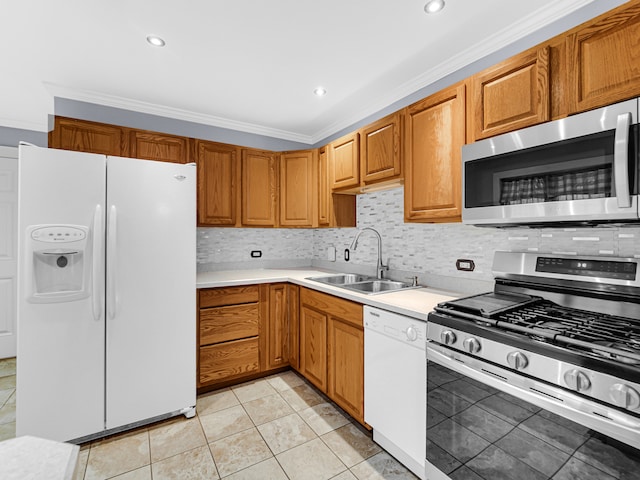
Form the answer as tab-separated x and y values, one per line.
434	6
155	40
320	91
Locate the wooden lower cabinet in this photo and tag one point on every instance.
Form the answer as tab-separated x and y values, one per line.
228	360
277	332
293	293
332	348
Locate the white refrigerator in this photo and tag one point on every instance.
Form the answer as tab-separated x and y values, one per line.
106	293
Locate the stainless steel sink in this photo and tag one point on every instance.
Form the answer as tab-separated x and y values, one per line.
363	283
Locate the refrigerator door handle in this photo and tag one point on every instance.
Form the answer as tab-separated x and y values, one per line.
111	263
96	254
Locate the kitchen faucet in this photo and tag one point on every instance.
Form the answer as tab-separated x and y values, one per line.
381	267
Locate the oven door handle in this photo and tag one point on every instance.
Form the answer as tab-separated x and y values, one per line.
621	160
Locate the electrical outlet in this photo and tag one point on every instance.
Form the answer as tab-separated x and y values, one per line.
256	253
465	265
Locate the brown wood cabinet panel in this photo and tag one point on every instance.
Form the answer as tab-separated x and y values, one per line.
298	188
277	354
225	361
85	136
605	58
217	297
435	133
347	310
293	307
221	324
324	189
344	161
259	188
218	183
510	95
159	146
381	149
346	366
313	346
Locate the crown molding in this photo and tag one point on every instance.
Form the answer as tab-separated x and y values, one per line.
170	112
492	44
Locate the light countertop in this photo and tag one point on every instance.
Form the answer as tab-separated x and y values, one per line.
416	303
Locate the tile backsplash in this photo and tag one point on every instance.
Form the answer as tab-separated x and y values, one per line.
427	250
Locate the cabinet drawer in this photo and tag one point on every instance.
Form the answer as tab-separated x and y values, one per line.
216	297
346	310
222	324
228	360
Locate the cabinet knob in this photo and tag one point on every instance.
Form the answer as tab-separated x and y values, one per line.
624	396
517	360
471	345
448	337
577	380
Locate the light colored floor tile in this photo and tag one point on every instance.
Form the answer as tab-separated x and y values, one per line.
8	413
12	399
350	444
382	467
117	455
286	432
7	431
215	401
253	390
285	380
5	395
143	473
8	382
310	461
81	465
345	476
7	367
265	409
175	436
225	422
191	465
268	470
323	418
239	451
301	397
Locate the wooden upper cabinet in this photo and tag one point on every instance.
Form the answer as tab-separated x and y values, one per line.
344	161
159	146
381	149
324	189
298	194
259	188
510	95
435	133
85	136
218	183
604	60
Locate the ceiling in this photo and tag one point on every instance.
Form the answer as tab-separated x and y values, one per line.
249	65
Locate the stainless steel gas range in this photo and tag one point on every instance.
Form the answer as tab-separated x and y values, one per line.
540	378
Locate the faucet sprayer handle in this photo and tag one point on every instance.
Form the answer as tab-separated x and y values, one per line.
414	280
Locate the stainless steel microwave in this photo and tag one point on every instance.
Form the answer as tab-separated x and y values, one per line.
580	170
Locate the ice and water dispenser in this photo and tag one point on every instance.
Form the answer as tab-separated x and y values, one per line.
60	263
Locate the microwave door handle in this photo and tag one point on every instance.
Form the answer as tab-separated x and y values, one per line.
621	160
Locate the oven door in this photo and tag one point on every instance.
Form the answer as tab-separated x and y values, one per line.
487	422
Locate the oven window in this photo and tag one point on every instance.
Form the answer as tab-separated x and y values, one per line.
574	169
477	432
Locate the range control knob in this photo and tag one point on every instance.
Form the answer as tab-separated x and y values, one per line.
577	380
448	337
625	396
412	334
517	360
471	345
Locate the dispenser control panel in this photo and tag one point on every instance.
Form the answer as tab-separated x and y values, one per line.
58	233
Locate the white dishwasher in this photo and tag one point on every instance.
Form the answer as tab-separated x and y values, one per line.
395	385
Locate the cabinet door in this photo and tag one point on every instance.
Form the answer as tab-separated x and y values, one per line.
293	308
324	189
435	132
259	188
346	366
228	360
84	136
380	149
344	161
511	95
605	58
218	179
277	331
297	188
158	146
313	346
